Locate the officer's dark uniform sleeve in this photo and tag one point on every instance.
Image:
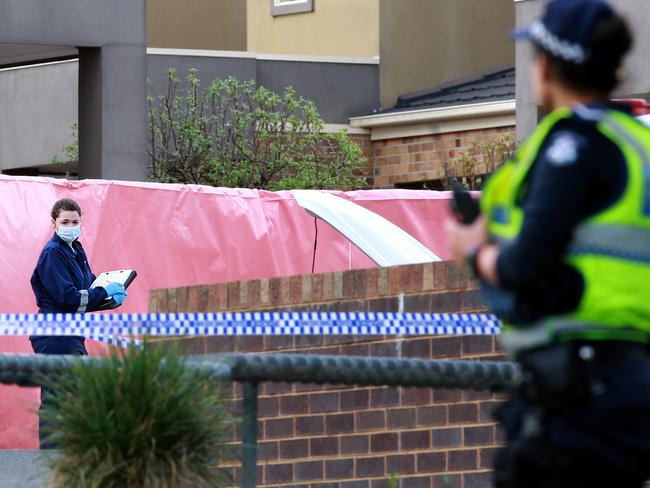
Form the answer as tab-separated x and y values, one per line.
577	174
55	277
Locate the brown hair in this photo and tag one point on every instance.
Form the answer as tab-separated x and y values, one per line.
65	204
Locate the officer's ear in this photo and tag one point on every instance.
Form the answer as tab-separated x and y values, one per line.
543	82
543	66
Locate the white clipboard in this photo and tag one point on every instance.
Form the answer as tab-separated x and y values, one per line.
122	276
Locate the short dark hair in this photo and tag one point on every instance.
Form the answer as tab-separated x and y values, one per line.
601	74
65	204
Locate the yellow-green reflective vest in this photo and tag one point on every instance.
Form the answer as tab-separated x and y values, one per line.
611	250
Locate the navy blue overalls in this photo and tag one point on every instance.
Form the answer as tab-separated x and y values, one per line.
61	283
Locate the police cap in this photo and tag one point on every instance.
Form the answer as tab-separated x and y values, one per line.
567	30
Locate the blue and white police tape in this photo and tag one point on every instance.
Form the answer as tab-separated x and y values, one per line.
246	323
116	341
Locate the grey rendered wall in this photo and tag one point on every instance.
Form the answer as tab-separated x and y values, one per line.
38	104
209	68
526	13
339	90
15	54
637	83
111	37
73	22
424	43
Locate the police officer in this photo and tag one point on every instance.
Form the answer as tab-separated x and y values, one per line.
562	251
61	283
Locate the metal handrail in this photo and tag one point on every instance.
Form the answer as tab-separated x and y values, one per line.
251	369
28	370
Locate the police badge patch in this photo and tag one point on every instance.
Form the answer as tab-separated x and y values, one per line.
564	149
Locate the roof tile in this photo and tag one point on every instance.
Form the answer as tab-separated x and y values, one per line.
489	87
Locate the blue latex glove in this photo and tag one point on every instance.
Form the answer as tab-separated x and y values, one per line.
120	297
113	289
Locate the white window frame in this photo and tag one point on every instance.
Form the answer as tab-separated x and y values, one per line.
287	7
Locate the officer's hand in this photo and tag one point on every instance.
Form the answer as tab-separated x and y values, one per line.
466	239
120	297
463	239
113	289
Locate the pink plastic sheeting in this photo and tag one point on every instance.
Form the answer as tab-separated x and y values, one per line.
178	235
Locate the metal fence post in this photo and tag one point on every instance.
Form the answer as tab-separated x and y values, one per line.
249	436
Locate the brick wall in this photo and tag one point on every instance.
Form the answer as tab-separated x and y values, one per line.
422	158
365	144
343	437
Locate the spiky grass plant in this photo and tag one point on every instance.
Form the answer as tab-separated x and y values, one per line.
142	418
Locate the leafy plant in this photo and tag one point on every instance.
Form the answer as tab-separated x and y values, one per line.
142	418
70	150
393	481
236	134
472	166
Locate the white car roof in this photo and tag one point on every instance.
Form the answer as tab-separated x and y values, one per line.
381	240
645	119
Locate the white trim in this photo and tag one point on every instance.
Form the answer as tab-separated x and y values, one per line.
317	59
205	53
286	7
438	120
435	114
261	57
39	65
381	133
355	131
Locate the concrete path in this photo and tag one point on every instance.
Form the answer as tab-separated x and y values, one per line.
24	468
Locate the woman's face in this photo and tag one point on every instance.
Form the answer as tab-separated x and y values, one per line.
67	218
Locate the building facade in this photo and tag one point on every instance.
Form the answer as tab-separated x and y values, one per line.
424	43
429	135
351	58
109	41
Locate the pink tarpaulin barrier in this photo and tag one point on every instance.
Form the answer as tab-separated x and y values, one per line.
178	235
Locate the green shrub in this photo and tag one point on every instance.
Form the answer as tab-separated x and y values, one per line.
142	418
233	133
71	149
480	160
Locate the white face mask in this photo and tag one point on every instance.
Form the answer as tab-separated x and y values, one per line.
68	234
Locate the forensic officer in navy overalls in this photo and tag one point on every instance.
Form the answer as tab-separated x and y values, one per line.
61	283
562	251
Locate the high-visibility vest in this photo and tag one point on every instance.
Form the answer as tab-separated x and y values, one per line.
611	250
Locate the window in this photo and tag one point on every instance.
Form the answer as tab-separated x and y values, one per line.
436	185
284	7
